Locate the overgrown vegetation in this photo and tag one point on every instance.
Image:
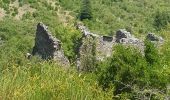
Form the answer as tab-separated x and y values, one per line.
134	76
125	75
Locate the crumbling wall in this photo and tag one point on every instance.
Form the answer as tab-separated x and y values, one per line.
104	45
48	47
87	53
126	38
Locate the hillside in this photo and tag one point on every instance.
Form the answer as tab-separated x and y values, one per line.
124	74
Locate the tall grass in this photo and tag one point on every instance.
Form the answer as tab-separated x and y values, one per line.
46	81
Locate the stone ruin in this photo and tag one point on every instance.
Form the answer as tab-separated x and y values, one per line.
104	44
127	39
93	47
48	47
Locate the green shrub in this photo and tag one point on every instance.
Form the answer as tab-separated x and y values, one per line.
151	53
6	1
70	39
128	72
161	19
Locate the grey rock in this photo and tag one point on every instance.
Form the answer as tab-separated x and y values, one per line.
48	47
28	55
125	38
153	37
86	56
122	33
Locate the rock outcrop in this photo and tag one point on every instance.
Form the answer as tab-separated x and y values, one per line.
85	31
48	47
122	34
101	44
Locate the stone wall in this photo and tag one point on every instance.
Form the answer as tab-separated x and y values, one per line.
93	47
104	45
48	47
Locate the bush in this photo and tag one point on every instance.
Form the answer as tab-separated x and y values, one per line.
151	53
161	19
128	72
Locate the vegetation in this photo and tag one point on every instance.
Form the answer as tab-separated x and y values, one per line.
161	19
86	10
125	75
132	75
88	58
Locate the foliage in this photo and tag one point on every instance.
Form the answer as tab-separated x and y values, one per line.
161	19
88	58
69	37
111	15
151	53
86	10
35	79
39	80
128	72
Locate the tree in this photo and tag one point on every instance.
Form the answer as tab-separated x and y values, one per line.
86	10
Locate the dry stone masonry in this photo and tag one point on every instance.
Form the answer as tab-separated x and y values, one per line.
48	47
102	44
92	47
127	39
102	47
86	57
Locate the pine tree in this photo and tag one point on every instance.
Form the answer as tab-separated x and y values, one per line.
86	10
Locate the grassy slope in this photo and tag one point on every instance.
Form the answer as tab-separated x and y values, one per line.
111	15
36	79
